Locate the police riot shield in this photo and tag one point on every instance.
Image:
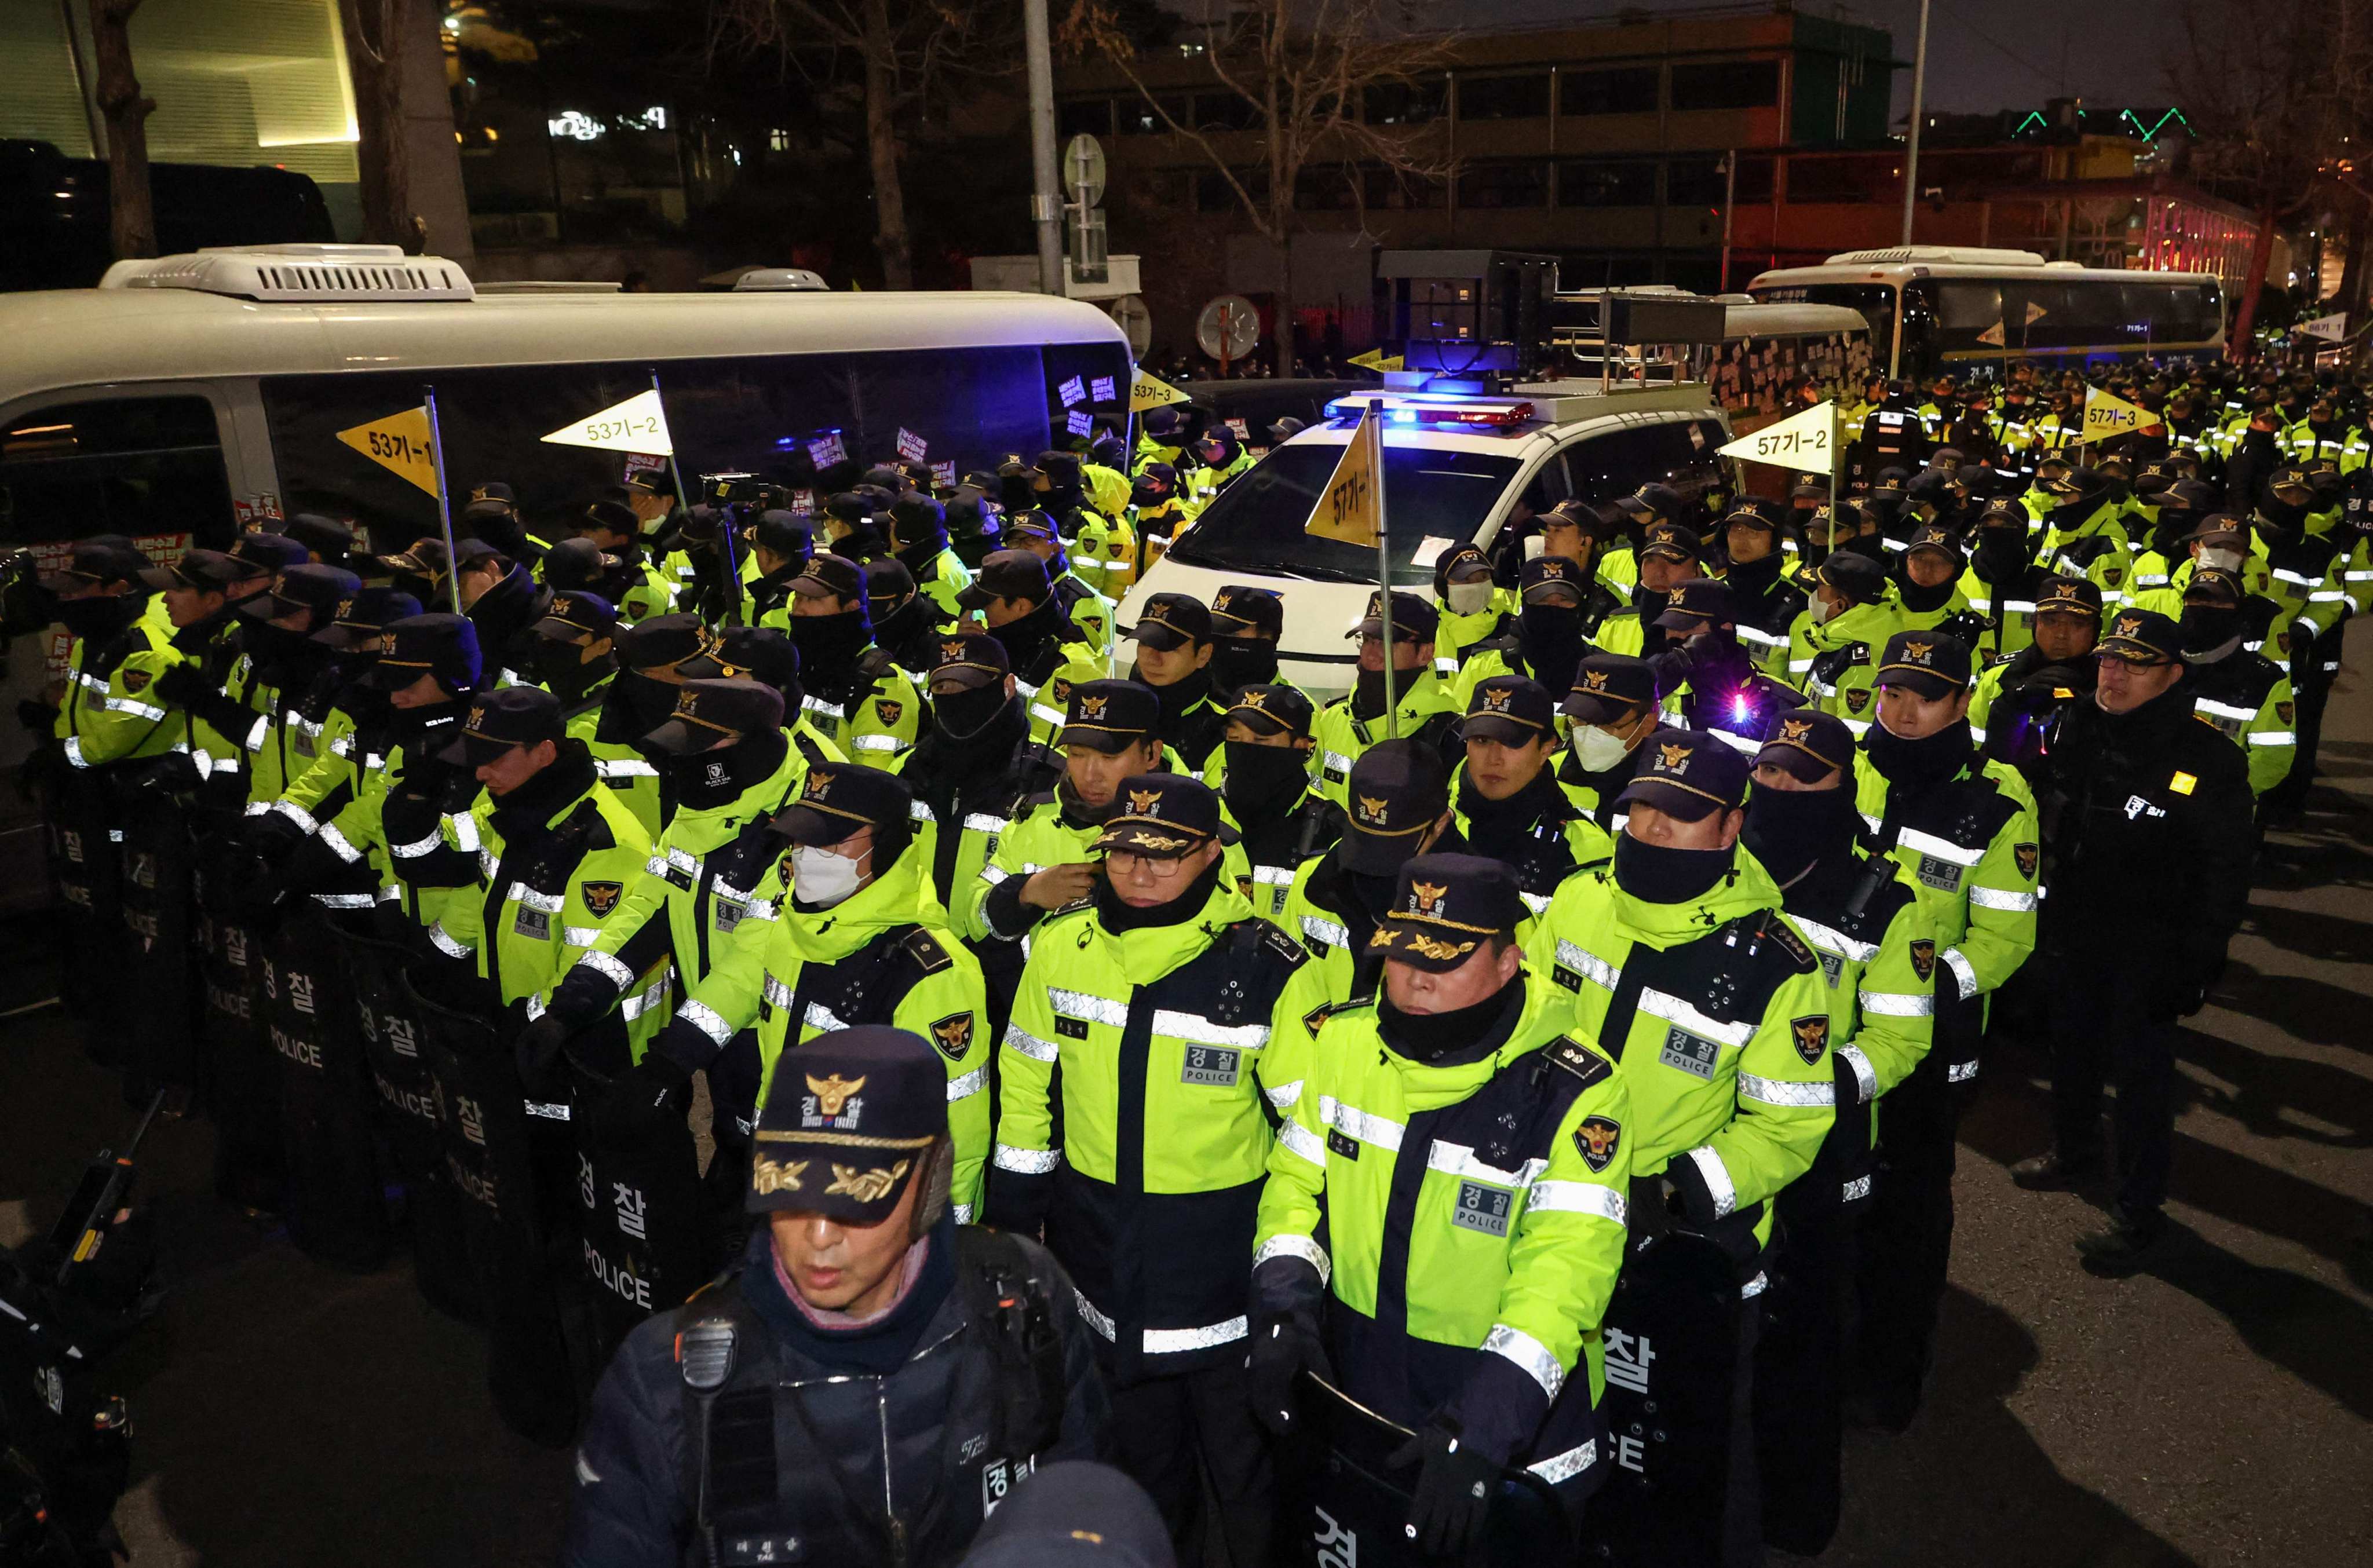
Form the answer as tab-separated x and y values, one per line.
407	1100
159	963
642	1229
243	1086
338	1206
1672	1339
85	861
1355	1507
502	1162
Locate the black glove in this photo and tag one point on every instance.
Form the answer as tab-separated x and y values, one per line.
272	836
175	773
183	684
1649	1205
642	1099
539	1045
1452	1500
1283	1348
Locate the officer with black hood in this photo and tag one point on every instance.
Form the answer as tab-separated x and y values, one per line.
977	763
1398	797
2245	695
2303	567
502	601
1708	674
781	543
919	539
766	655
870	1380
1221	457
974	525
575	659
1174	654
2019	701
631	580
906	623
1766	602
1668	555
1505	800
856	691
2002	579
1014	598
1267	793
1246	625
1554	624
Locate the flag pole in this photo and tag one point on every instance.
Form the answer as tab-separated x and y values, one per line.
683	510
1374	433
444	505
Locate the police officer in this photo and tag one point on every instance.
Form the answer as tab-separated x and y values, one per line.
974	525
2082	535
919	539
1680	968
1610	713
1962	830
555	850
1506	801
974	766
2147	844
1668	557
1221	457
788	1411
1471	605
2002	580
1590	539
1869	934
1463	1298
2018	702
1709	679
1559	610
631	581
1157	510
1399	806
780	546
768	657
1927	579
493	514
1088	614
1423	708
1015	599
1768	604
502	601
907	625
1174	654
2245	695
574	657
862	700
1246	625
1833	647
1167	1017
853	934
1267	793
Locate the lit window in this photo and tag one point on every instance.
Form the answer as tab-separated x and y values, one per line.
778	140
576	127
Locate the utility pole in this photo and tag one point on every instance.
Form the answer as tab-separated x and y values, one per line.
1729	204
1912	152
1046	200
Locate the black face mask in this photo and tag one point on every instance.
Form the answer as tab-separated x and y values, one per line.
2119	489
1143	495
1866	545
2206	627
705	781
919	560
961	716
1932	759
1656	873
1754	578
275	646
1240	661
828	645
2003	554
646	703
1470	1033
2167	535
1790	829
1368	692
562	668
2283	520
100	620
2069	515
1551	637
1921	600
1264	781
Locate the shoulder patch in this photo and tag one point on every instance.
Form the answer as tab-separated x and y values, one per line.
1316	1019
1284	946
1578	1058
1784	938
927	952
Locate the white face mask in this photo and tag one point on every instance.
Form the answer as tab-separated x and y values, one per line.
2220	560
1819	610
820	878
1598	750
1469	598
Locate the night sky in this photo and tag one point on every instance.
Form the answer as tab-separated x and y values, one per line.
1982	54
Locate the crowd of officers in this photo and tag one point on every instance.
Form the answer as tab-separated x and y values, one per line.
1563	1067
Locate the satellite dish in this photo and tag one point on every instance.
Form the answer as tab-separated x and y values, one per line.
1228	327
1084	169
1129	312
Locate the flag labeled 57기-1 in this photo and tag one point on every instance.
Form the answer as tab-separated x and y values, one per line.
1350	509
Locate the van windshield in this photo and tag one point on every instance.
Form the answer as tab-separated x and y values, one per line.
1432	499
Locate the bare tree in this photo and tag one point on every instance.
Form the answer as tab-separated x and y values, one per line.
1303	68
904	50
2273	86
374	33
131	209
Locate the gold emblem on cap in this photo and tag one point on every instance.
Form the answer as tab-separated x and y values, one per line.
949	652
834	1092
1092	706
1553	566
1674	757
687	701
1427	897
2130	625
1426	946
1141	802
1254	698
1497	701
1918	652
387	642
1372	810
866	1187
778	1175
1593	680
817	786
1796	729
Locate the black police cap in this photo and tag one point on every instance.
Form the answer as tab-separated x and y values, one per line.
1511	709
785	534
1415	618
503	719
888	584
212	570
1163	816
611	517
1688	774
492	496
310	587
575	564
1236	608
364	616
1933	663
1853	574
103	557
841	797
834	577
2140	636
576	614
708	712
766	654
438	644
1168	621
1445	908
2070	596
1552	579
267	553
968	660
1808	745
916	521
1698	602
1274	711
1007	573
322	536
848	1124
1109	716
662	642
1397	789
1610	688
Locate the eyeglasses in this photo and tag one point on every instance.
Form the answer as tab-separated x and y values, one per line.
1127	863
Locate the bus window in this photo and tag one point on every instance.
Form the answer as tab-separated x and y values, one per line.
139	466
1607	467
811	422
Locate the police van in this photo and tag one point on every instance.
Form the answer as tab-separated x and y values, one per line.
190	395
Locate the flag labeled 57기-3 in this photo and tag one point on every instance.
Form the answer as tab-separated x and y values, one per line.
1350	509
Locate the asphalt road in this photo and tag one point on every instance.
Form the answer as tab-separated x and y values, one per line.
2216	1409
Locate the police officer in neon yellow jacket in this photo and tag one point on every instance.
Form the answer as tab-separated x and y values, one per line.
1463	1300
555	849
1423	708
852	935
1168	1018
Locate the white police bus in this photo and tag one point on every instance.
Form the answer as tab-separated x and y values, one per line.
1939	309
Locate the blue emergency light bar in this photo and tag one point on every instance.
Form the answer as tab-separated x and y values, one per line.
1436	408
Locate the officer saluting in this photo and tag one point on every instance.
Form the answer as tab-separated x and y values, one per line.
870	1380
1445	1213
2147	839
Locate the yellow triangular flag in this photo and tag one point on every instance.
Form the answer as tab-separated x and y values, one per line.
1347	508
1152	391
400	444
1375	359
1993	335
638	425
2106	416
1804	443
